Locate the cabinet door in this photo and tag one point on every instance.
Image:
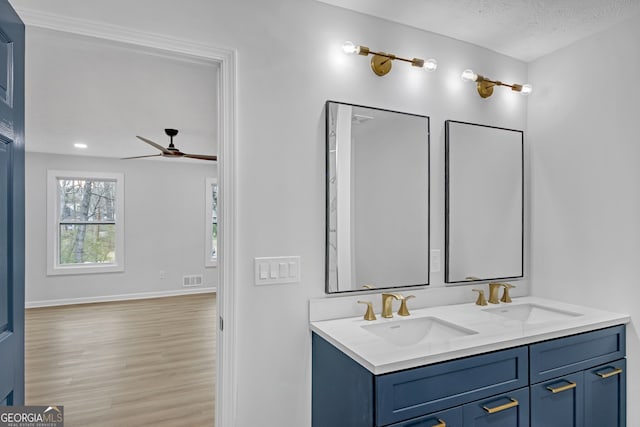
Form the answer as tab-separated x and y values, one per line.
506	410
558	402
449	418
606	395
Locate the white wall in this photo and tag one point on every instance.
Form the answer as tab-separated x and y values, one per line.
583	134
164	229
289	64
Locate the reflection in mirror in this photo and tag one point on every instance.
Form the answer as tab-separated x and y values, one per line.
377	198
484	202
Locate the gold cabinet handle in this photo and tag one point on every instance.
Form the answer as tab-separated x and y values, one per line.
501	408
441	423
562	388
616	371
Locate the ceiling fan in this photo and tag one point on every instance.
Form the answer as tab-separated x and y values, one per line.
171	150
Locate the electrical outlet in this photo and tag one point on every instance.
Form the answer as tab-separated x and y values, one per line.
163	274
435	260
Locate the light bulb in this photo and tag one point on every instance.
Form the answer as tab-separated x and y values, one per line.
349	47
430	64
526	89
469	76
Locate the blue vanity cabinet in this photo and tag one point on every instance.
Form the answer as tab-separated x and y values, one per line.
574	381
346	394
583	381
562	356
558	402
506	410
424	390
605	389
341	389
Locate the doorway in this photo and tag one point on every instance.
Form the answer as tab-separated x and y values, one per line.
225	135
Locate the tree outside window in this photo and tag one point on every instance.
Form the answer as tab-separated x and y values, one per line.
87	221
85	217
211	222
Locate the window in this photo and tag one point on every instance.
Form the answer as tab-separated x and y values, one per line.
85	222
211	222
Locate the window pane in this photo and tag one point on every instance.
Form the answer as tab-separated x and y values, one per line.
86	200
214	220
87	243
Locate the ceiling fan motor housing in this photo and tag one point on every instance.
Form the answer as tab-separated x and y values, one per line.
171	133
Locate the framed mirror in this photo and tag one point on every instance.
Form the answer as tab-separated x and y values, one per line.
377	198
484	202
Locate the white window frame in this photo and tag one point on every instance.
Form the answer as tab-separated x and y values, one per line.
209	261
53	257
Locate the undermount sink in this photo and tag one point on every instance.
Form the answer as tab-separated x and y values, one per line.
411	331
532	313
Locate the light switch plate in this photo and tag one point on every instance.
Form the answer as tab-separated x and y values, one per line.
276	270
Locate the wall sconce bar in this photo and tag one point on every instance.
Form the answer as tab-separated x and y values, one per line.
485	85
381	61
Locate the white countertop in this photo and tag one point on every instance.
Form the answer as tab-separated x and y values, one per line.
493	332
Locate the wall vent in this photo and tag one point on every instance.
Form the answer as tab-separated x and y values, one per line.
192	280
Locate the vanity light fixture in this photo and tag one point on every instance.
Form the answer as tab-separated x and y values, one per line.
381	61
485	85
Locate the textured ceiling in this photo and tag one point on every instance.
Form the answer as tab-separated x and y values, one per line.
522	29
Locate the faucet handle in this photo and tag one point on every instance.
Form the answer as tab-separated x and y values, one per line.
505	296
481	299
369	315
404	311
368	286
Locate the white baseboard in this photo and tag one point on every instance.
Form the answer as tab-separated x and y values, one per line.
123	297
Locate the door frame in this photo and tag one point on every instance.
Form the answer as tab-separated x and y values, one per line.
226	393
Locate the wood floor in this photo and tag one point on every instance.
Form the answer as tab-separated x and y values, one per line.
130	363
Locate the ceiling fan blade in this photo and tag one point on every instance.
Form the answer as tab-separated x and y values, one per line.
158	146
140	157
200	156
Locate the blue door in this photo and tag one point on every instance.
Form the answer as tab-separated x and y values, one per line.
11	206
605	390
558	402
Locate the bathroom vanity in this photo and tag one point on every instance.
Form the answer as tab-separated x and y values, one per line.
530	363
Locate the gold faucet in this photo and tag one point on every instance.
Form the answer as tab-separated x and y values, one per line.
481	299
387	299
369	315
505	296
494	288
403	310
